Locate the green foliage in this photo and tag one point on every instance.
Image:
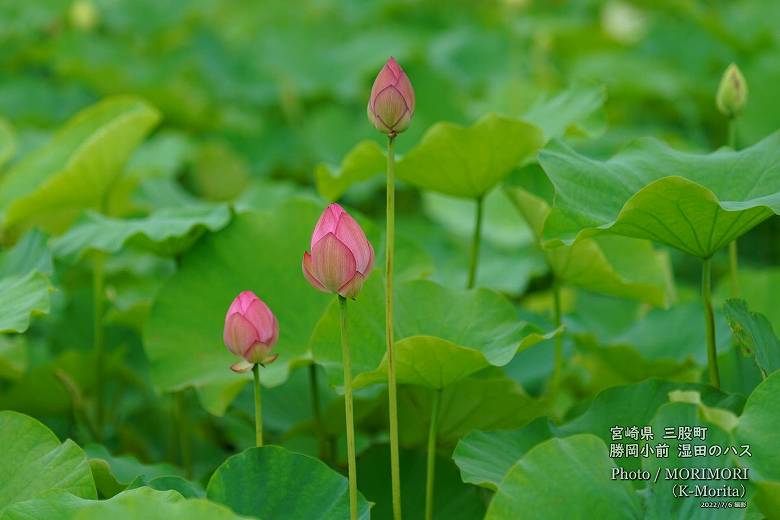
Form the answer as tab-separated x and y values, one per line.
693	202
618	266
442	336
757	428
485	457
114	474
76	169
755	335
34	462
24	282
259	251
469	162
122	245
167	231
143	502
271	482
579	466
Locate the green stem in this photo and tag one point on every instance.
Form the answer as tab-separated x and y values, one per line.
314	388
346	361
98	292
431	474
258	407
475	244
712	352
558	360
733	253
395	471
733	133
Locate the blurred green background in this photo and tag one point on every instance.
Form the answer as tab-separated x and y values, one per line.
267	90
257	95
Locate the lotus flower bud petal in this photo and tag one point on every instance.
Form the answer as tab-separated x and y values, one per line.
333	264
732	92
251	330
341	256
391	105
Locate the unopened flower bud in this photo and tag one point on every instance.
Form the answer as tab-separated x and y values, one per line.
391	105
341	256
251	330
732	92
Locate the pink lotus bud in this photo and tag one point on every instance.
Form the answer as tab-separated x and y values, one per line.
341	255
391	106
251	330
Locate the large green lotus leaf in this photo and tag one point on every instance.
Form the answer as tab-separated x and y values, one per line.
7	141
565	478
667	334
754	333
618	266
113	474
484	457
636	404
453	500
143	502
186	488
759	287
442	335
469	162
758	428
23	296
258	251
76	168
274	483
34	463
616	365
168	230
30	253
661	502
364	161
575	112
24	283
488	400
696	203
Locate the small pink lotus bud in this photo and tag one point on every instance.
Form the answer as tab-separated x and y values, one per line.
341	255
251	330
391	106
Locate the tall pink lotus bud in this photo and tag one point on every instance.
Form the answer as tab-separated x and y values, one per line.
251	330
391	106
341	255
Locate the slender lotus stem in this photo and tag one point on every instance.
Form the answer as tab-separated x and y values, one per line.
475	243
733	253
316	413
706	294
558	360
346	361
431	475
98	293
395	471
733	133
258	407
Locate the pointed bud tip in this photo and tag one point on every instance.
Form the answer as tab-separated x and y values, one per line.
392	101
